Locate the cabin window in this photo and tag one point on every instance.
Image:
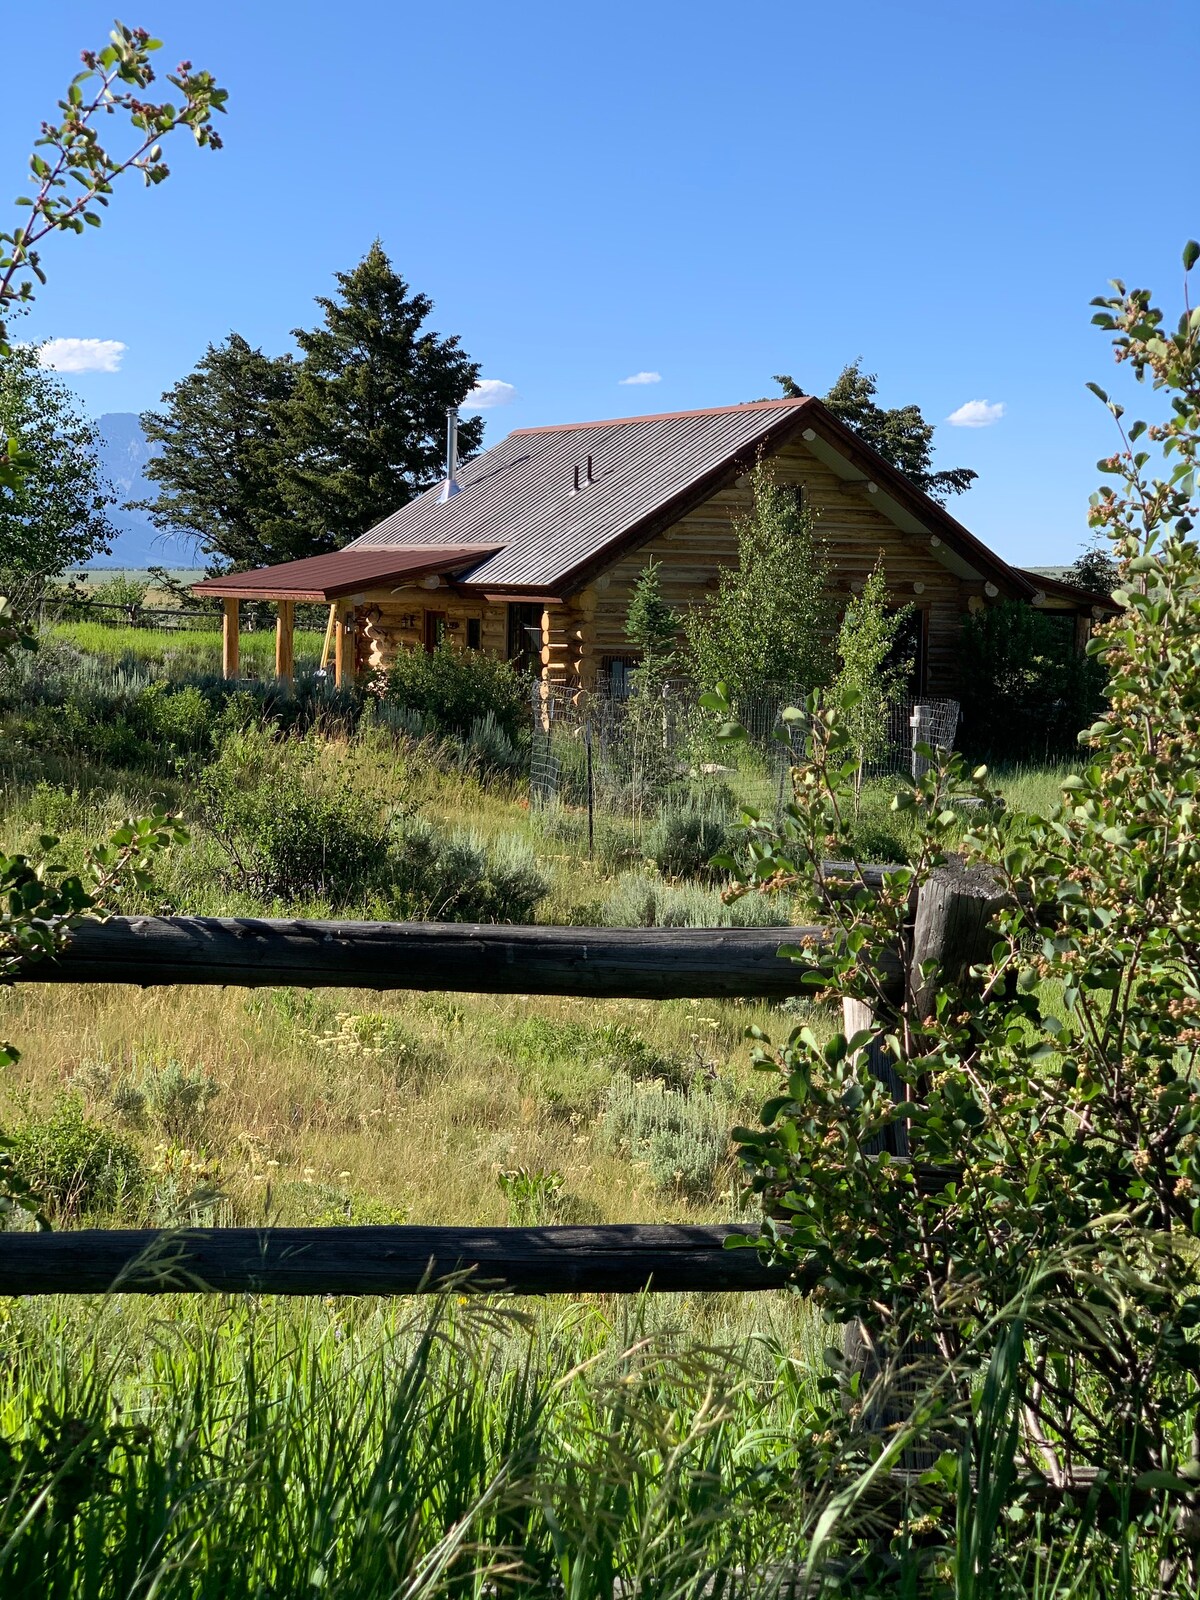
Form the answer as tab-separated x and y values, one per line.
617	673
474	633
525	635
911	645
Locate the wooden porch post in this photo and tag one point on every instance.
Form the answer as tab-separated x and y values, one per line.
285	625
230	624
344	648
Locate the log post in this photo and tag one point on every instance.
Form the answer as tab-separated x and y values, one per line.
285	625
344	648
952	927
230	626
327	645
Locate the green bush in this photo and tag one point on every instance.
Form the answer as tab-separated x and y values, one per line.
1027	692
290	827
76	1165
457	878
176	1098
685	838
294	826
681	1138
641	900
453	689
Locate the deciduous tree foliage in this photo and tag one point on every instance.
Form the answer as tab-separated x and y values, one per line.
770	621
1036	1223
41	898
365	428
54	516
900	433
220	459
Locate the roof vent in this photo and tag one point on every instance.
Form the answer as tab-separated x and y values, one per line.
450	486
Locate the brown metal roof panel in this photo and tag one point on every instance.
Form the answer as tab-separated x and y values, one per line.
521	493
342	572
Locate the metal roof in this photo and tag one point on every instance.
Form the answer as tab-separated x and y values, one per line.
521	494
342	572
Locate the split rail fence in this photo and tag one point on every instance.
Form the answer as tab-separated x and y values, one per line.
595	963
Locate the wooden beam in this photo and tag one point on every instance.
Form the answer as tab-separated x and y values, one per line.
621	1259
230	629
465	958
285	639
344	647
327	646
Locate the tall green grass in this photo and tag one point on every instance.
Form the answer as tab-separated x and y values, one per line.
261	1450
184	651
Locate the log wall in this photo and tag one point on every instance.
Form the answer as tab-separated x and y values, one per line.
390	621
694	550
582	636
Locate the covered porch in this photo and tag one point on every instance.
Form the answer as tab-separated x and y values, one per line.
380	601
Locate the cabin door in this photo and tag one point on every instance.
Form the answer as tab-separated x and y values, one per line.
435	630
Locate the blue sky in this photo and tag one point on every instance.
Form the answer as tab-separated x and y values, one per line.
707	193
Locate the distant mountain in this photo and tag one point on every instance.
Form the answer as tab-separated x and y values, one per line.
124	452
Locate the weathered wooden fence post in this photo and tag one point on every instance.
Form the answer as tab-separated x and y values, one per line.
952	927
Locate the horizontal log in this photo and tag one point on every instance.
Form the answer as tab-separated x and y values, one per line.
468	958
377	1260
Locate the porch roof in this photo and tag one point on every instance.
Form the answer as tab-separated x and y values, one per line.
341	573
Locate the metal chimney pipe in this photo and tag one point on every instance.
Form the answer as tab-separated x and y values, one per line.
450	486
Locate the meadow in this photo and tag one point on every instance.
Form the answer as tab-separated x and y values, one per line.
238	1446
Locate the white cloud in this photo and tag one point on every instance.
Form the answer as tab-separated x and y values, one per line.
81	355
976	414
489	392
644	377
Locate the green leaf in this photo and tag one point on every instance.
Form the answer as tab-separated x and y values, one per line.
1191	254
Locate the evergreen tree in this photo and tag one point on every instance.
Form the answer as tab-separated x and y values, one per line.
220	460
900	433
870	680
53	515
650	624
366	425
769	622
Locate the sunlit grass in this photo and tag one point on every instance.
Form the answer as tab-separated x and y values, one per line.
190	650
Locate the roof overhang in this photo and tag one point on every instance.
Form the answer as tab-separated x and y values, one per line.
343	572
912	512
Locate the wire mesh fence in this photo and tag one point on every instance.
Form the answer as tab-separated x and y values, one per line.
620	754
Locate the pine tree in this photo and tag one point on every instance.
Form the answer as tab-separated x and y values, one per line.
650	624
366	425
900	433
221	458
870	680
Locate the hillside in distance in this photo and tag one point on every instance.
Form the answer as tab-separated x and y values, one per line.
124	453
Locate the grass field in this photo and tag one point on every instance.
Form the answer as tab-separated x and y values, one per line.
187	651
241	1447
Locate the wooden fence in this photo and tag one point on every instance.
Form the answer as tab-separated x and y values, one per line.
595	963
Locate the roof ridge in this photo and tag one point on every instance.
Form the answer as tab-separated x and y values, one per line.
793	402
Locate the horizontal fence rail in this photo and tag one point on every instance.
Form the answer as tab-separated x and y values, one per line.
593	963
619	1259
616	963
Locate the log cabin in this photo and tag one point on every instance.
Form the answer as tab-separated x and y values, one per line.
531	550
